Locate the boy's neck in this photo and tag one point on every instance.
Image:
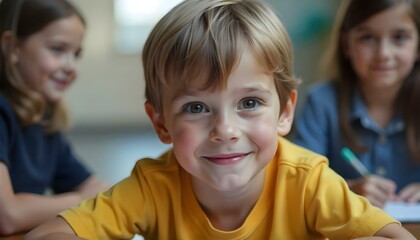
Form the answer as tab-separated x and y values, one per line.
228	210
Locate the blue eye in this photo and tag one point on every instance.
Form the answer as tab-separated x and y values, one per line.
195	108
249	103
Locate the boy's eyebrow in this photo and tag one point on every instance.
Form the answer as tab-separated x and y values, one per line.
184	93
254	89
194	93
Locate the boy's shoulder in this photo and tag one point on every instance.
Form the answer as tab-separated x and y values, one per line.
299	157
164	164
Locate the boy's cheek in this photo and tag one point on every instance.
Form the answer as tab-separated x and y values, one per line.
264	130
186	139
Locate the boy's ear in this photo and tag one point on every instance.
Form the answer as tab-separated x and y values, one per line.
158	123
287	114
6	46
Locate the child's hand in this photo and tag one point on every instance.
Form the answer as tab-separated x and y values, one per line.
376	189
410	193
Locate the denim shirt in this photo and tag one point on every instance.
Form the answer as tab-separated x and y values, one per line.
387	155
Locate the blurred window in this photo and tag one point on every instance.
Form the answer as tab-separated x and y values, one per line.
135	19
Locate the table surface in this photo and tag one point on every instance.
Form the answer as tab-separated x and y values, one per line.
414	228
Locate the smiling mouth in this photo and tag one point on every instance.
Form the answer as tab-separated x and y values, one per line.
226	159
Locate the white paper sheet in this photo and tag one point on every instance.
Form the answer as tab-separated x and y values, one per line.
403	212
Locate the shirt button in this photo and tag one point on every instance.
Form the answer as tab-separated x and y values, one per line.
382	139
381	171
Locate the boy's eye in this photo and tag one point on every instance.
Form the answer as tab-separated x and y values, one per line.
249	103
195	108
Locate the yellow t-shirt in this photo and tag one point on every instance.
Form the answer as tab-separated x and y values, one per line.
302	199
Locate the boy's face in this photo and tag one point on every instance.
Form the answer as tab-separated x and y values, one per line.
224	138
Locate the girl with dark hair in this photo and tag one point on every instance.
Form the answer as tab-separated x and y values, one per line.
40	42
371	105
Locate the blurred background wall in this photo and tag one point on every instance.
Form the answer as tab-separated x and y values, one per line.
109	90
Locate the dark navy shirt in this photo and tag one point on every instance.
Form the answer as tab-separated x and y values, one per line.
37	161
317	128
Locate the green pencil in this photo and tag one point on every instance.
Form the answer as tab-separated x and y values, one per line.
351	158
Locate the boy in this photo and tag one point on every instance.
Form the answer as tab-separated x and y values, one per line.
220	88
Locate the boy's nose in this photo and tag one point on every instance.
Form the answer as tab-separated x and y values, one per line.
225	129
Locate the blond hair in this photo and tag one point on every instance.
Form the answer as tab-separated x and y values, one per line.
204	37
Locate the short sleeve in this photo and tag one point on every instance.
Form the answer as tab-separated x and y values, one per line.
337	212
8	123
70	172
118	213
4	140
